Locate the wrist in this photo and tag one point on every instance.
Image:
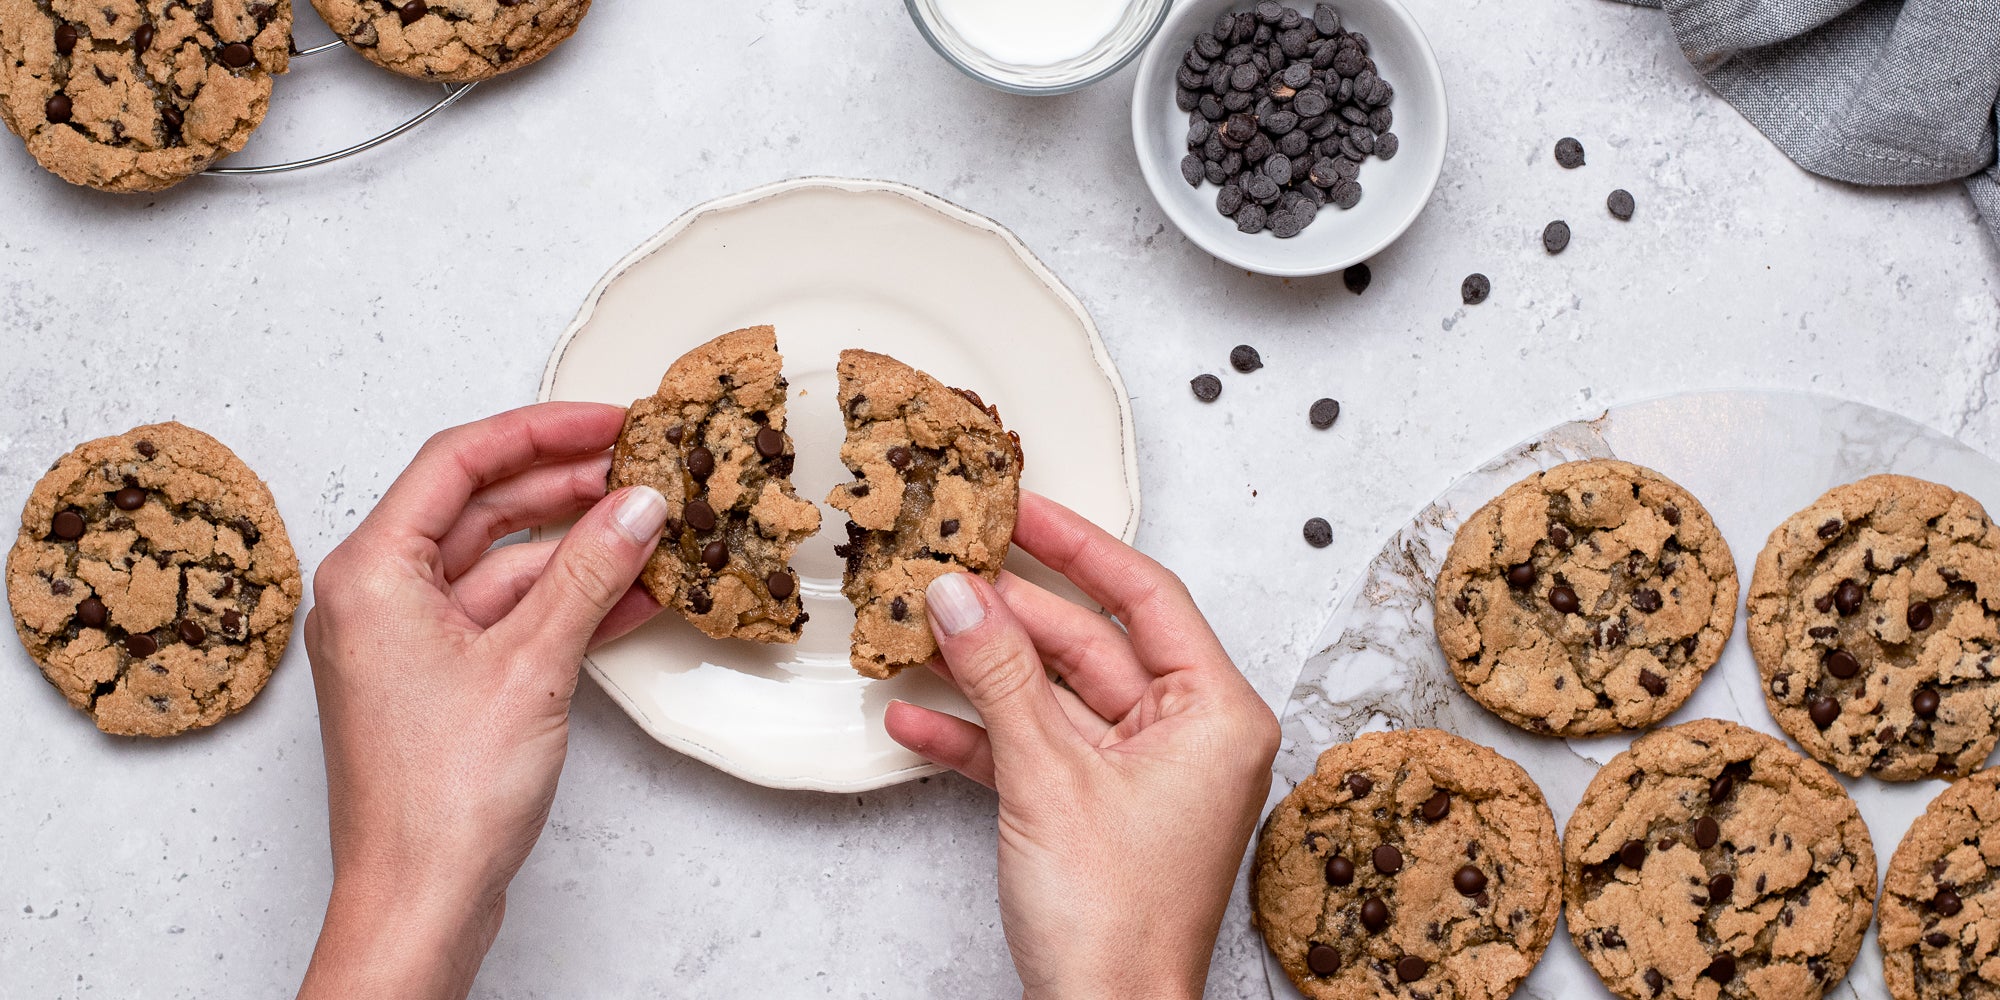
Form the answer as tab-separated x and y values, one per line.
383	939
1159	984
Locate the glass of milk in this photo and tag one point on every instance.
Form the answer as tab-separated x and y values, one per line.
1038	46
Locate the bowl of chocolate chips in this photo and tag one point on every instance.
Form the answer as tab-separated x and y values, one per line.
1290	139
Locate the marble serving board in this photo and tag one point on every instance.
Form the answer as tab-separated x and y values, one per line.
1753	458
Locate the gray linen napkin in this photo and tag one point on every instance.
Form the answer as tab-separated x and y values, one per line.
1864	91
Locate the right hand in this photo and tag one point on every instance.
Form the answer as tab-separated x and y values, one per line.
1128	795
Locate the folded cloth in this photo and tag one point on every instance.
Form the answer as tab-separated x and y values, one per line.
1864	91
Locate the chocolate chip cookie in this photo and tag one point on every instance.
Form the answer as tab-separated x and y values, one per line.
1587	598
713	442
1941	901
453	41
936	483
1409	864
1875	619
1708	861
138	95
153	581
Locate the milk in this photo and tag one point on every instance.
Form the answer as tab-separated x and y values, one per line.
1032	32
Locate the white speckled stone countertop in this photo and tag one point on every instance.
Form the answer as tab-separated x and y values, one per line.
323	324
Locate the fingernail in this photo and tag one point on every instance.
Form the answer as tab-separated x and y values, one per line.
641	513
954	605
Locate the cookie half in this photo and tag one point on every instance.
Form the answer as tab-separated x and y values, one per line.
453	41
1875	620
138	95
1941	900
1411	863
153	581
1587	598
712	440
937	480
1709	860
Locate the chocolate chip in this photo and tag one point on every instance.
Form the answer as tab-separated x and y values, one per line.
1654	684
1723	969
68	525
1920	616
412	12
1245	359
1706	832
700	602
237	55
129	498
1324	412
858	490
1374	914
770	443
948	527
1823	604
1410	968
90	612
1946	903
232	622
676	434
1824	710
1475	288
1359	785
1719	889
1357	278
142	39
59	588
780	584
1559	536
1387	859
1563	600
899	609
1620	205
141	645
1555	236
1569	153
58	109
699	515
1937	939
1521	576
1206	387
1438	806
1830	528
701	462
1339	870
1841	663
1322	960
1720	788
1647	600
1655	981
1633	854
1925	702
715	555
1847	597
1469	881
1319	534
65	39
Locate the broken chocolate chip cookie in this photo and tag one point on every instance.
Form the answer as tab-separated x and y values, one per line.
936	483
713	442
1941	900
153	581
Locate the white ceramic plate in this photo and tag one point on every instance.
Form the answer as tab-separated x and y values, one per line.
1394	191
836	264
1753	458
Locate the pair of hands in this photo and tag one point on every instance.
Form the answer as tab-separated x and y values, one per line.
445	669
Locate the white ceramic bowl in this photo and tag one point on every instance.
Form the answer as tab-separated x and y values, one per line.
1393	191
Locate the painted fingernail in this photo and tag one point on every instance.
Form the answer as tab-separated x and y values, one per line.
954	605
640	514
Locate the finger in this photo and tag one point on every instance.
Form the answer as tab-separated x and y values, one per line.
526	499
587	576
427	498
1089	725
1167	631
945	740
497	582
994	664
1090	651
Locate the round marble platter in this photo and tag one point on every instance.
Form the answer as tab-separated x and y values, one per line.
1753	458
834	263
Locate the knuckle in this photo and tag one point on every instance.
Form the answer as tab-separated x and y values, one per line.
589	573
999	673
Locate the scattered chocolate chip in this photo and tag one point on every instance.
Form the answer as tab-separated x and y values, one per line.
237	55
700	602
1555	236
1475	288
676	434
770	443
780	584
1559	536
1521	576
1438	806
1654	684
1841	663
1706	832
141	645
1937	939
1359	785
715	555
1339	870
412	12
1374	914
1655	981
1719	889
1563	600
1720	789
1469	881
1322	960
1324	412
701	462
1633	854
1924	702
90	613
1824	710
1245	359
1569	153
129	498
68	525
1387	859
899	609
699	515
899	458
1620	204
1847	597
1920	616
58	109
948	527
142	39
1357	278
1319	534
65	39
1830	528
1823	603
1206	387
232	622
1946	903
1410	968
1723	969
1647	600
